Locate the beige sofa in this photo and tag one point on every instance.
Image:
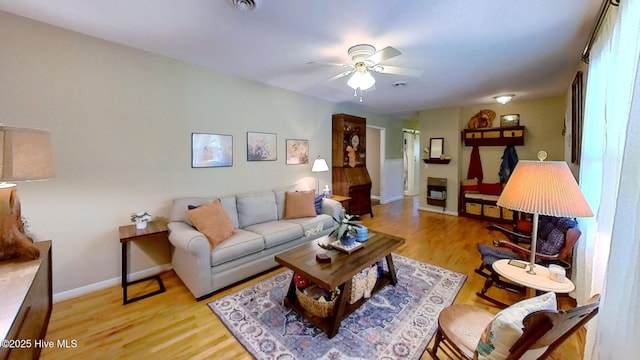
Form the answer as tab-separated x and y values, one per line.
261	232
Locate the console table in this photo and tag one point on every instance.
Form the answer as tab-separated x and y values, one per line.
25	304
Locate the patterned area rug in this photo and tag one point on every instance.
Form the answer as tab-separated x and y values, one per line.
396	323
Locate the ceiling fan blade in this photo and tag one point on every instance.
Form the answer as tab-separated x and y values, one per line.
382	55
342	74
396	70
330	64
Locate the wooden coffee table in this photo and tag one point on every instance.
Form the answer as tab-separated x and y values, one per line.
338	273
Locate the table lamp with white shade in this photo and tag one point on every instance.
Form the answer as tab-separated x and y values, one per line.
319	165
543	188
25	154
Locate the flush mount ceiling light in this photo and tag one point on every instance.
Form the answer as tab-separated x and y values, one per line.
503	99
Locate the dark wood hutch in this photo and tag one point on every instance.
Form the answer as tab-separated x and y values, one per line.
349	172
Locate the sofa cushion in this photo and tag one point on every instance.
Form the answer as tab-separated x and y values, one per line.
240	244
314	225
299	204
256	208
177	212
276	232
552	244
491	189
280	203
212	220
470	185
506	327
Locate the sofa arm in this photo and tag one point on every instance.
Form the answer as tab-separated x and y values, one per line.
186	238
191	258
332	208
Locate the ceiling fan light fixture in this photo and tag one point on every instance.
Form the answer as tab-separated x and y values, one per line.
361	79
503	99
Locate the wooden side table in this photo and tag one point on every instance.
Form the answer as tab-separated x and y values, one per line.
344	200
539	281
155	230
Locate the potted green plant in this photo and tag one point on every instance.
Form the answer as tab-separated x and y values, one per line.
141	219
346	232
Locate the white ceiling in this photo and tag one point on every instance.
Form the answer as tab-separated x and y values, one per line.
470	50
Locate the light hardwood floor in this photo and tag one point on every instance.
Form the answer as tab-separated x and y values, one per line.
173	325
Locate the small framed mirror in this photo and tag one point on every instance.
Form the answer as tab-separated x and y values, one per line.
436	148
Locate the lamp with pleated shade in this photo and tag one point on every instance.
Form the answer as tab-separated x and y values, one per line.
25	154
543	188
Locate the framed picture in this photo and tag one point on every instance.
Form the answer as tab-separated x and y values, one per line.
436	147
577	108
261	147
509	120
297	152
211	150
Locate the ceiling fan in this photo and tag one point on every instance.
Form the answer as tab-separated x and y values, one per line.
367	61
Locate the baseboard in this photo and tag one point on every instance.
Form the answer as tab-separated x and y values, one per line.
438	210
83	290
386	201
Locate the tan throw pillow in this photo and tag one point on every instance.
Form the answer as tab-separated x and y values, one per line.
299	204
211	220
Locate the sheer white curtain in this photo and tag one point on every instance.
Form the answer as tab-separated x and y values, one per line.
609	251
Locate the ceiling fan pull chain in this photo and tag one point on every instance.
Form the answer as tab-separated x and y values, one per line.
360	95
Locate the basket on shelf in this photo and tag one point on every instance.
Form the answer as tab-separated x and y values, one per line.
363	283
316	308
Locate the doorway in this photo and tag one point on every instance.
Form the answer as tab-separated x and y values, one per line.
411	161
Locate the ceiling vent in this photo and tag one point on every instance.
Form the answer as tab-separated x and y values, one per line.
245	5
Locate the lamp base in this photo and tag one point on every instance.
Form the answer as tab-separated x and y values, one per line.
14	243
531	271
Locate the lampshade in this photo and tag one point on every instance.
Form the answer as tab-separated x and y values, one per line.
544	188
361	79
26	154
319	165
503	99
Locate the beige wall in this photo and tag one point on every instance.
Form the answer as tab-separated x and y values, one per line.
121	123
441	123
543	119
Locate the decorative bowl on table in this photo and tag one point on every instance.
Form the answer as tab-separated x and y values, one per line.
349	238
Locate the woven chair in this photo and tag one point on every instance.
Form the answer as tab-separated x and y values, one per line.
462	330
556	240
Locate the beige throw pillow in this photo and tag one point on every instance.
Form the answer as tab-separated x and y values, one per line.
299	204
211	220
